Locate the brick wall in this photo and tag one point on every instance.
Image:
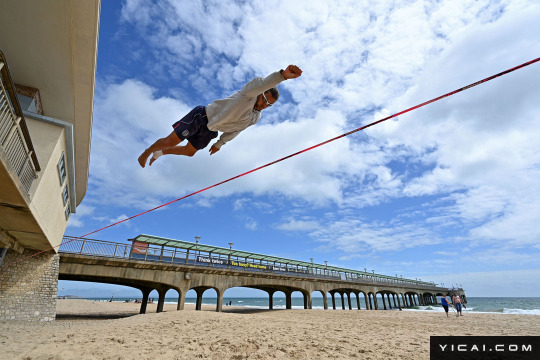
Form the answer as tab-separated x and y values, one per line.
28	288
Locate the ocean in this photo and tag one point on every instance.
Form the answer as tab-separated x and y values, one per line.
492	305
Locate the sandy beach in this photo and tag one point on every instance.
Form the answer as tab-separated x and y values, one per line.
88	329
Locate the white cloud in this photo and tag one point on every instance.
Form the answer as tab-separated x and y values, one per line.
358	238
76	219
250	223
299	225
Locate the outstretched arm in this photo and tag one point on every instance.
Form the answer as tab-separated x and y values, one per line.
260	85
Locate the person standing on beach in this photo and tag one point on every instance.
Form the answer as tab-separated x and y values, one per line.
230	116
457	302
445	304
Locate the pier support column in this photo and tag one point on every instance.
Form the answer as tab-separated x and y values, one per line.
145	293
376	301
161	299
271	299
394	297
307	301
349	300
219	302
358	300
333	300
181	300
366	301
398	302
389	301
370	303
198	304
288	301
342	301
325	300
384	302
435	300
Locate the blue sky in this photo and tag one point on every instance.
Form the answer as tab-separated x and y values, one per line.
447	193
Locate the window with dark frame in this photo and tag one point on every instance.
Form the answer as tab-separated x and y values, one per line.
65	195
68	211
62	173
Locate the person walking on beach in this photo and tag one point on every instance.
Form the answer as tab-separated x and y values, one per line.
445	304
457	302
230	116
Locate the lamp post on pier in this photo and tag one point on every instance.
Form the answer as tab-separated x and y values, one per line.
230	248
197	238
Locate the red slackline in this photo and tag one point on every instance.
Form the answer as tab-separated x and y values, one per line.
299	152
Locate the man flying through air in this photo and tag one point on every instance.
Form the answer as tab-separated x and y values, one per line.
230	116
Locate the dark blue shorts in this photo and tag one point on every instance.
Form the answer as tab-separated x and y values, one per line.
193	127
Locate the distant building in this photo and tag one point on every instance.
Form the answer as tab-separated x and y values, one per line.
48	51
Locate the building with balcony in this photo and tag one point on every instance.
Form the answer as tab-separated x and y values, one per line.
48	52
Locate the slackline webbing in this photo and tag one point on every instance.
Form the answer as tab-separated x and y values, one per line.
297	153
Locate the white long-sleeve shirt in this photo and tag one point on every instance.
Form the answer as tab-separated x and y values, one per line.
235	113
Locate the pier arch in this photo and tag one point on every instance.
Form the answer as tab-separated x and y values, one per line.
146	287
200	290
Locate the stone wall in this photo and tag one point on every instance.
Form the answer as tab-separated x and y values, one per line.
28	288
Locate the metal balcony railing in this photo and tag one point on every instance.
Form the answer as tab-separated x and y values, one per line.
14	136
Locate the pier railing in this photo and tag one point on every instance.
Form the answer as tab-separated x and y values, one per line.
14	136
159	254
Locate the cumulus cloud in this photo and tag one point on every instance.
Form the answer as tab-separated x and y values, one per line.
299	225
76	219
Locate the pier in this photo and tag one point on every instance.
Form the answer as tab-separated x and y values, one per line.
154	263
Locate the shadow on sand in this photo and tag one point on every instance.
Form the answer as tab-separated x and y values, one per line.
72	317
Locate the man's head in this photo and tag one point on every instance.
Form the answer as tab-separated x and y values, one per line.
267	99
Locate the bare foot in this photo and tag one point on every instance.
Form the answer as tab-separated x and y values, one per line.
142	159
